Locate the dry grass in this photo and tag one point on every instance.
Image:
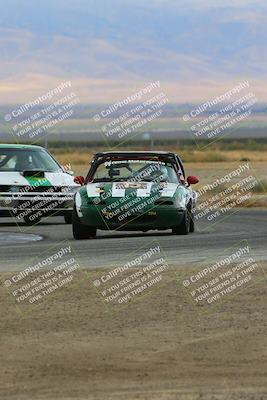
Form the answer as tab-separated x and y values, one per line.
204	164
83	156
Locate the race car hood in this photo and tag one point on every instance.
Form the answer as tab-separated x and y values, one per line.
15	178
112	191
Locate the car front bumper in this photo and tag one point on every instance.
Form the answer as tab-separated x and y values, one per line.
159	217
22	205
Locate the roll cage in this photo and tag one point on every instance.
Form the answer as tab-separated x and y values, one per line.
100	158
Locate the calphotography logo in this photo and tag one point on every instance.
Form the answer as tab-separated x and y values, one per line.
133	204
34	120
130	116
231	191
139	201
217	281
43	278
217	117
142	272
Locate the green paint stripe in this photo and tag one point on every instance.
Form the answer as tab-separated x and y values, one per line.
37	181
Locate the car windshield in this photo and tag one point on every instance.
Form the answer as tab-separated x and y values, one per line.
27	160
135	170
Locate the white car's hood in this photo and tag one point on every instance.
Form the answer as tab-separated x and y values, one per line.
50	178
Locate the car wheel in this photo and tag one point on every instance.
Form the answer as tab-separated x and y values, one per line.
68	218
184	227
79	230
192	222
31	222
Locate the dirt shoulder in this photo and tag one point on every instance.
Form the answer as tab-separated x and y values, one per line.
161	347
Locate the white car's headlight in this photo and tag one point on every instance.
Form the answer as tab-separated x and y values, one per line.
70	189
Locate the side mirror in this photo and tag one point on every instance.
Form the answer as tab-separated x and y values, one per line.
192	180
79	180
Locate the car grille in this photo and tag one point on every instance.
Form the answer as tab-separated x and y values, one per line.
39	189
30	189
5	188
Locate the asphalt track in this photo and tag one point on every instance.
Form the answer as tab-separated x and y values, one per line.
19	243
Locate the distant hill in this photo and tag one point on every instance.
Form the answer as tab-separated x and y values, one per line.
106	44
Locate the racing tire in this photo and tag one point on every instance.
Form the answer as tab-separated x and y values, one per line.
192	222
68	218
80	231
184	227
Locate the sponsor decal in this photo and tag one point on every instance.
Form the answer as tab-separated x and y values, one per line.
36	181
143	189
169	190
93	190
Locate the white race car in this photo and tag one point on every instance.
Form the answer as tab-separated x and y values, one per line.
33	184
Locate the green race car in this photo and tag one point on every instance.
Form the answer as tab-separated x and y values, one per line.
134	191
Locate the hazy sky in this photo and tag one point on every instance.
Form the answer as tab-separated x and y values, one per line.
106	46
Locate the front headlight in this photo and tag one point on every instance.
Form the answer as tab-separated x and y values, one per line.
70	189
78	204
14	189
181	197
181	202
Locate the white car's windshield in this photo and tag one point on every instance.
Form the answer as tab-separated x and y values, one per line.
27	160
135	170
